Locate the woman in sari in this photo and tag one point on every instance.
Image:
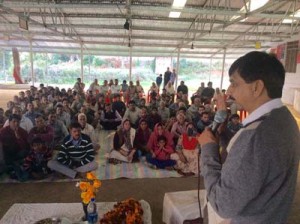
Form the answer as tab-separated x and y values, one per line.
123	149
187	151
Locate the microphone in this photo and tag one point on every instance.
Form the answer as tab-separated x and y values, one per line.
220	117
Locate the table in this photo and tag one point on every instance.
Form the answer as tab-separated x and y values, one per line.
183	205
32	212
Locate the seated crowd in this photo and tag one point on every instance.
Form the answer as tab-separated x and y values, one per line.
49	129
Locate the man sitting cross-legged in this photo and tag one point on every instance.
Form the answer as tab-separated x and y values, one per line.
76	154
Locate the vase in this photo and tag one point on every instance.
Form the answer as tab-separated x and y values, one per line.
84	207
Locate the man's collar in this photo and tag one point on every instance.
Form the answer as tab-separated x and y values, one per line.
262	110
75	140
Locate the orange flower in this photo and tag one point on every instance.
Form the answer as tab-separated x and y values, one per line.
89	187
97	184
84	185
90	176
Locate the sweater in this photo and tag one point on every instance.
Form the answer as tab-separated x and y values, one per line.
71	155
256	184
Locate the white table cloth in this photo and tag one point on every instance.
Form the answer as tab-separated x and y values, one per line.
183	205
31	213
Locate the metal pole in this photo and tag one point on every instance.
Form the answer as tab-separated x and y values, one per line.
130	63
210	65
4	65
46	72
177	69
223	66
81	59
90	66
31	63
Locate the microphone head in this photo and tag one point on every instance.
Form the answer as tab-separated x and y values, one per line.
220	116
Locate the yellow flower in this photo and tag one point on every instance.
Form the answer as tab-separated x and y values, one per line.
84	185
90	176
97	184
89	187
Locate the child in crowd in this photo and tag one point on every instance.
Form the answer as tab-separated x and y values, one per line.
36	162
160	155
233	125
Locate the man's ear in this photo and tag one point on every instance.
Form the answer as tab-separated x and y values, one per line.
258	87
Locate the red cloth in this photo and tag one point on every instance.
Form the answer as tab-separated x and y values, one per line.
189	144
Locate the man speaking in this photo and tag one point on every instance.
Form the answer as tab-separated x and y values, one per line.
256	184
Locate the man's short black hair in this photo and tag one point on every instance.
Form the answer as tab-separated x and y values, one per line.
37	140
131	102
261	66
234	116
74	125
182	108
14	116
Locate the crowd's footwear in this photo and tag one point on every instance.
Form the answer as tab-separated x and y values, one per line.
114	161
186	174
151	165
170	168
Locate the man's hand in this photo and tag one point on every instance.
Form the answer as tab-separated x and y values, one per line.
207	137
220	101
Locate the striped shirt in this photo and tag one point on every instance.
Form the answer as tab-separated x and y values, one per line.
76	155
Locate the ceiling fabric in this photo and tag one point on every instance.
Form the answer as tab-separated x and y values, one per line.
97	27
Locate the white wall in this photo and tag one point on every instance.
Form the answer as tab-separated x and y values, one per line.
291	89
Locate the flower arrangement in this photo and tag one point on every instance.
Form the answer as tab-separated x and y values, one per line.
128	211
89	187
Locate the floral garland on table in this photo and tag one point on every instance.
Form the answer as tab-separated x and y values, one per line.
89	187
128	211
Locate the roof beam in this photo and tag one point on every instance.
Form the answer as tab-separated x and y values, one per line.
139	7
159	29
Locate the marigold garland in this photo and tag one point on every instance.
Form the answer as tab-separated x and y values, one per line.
89	187
128	211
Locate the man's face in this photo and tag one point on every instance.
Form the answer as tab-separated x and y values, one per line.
30	107
59	110
107	107
65	103
14	124
241	91
52	118
45	100
201	109
83	109
235	120
21	95
39	122
82	121
205	118
16	111
131	107
75	133
197	102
